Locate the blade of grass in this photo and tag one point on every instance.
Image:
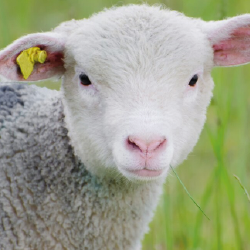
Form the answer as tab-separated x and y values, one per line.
245	190
167	204
231	196
204	201
188	192
217	203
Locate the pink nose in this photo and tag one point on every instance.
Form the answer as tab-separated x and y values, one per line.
146	147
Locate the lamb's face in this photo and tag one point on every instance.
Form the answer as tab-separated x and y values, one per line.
131	97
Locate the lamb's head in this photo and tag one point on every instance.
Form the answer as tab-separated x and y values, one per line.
136	83
134	103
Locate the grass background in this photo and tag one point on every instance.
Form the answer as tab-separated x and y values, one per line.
222	151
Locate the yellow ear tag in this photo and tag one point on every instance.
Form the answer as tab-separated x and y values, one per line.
27	59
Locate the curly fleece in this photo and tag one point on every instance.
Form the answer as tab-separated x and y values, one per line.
48	199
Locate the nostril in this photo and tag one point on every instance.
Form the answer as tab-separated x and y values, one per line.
157	144
135	144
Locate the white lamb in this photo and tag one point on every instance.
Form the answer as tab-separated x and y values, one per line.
135	87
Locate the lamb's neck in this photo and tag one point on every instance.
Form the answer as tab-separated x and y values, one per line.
122	211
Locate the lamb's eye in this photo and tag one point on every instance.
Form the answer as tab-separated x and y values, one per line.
193	81
84	79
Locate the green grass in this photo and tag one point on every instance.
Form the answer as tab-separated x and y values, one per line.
245	191
221	153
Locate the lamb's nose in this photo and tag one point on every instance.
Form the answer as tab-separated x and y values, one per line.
153	146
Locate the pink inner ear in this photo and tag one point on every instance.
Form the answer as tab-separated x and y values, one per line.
235	50
52	67
53	43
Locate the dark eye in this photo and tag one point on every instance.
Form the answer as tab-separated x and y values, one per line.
193	81
84	79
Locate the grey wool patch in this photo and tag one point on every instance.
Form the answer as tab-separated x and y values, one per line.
9	97
28	153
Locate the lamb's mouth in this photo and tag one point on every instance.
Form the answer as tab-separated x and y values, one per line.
146	172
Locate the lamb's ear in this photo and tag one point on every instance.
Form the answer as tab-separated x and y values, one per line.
230	39
51	42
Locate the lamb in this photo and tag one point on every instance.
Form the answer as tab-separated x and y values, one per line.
83	167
